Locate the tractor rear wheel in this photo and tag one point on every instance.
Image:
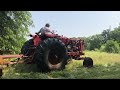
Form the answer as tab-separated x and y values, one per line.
25	50
51	54
88	62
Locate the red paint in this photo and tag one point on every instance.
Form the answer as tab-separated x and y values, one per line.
78	45
37	39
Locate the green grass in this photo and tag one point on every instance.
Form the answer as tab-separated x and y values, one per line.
106	66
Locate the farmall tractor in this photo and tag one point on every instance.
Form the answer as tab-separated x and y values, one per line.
52	52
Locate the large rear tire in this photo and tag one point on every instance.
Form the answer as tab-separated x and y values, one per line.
51	54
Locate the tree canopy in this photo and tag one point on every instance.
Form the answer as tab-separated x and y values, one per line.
14	26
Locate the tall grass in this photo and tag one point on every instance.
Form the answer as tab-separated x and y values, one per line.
106	66
103	57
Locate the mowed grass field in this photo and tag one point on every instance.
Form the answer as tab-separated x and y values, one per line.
106	66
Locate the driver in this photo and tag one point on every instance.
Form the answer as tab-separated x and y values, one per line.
45	29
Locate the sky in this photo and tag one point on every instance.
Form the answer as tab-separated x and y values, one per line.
75	23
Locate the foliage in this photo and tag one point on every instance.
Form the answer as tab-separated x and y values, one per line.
115	34
106	35
107	41
112	46
102	48
14	26
93	42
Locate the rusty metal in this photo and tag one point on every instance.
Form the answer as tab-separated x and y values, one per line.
12	56
7	62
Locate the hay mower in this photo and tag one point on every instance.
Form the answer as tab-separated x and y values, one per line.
51	51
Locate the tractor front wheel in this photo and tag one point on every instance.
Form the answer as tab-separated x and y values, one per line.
88	62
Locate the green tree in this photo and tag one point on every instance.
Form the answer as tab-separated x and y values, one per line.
14	26
111	46
106	35
115	34
93	42
106	41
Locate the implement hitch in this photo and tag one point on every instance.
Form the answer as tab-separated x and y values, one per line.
4	62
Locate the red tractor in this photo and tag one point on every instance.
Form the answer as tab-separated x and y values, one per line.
52	52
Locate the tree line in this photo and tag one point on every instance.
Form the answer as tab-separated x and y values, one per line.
107	41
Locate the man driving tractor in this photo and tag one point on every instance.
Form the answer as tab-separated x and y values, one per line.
45	29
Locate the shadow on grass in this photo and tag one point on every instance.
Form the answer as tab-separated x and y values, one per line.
23	71
25	68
